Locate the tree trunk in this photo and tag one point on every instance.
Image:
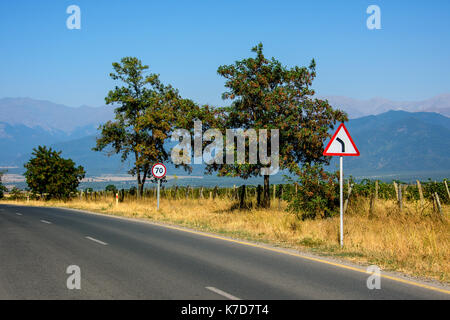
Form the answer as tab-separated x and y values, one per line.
242	197
258	196
266	191
141	187
138	190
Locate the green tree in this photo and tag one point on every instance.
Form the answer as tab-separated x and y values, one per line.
16	194
317	194
267	95
3	189
146	113
111	188
48	173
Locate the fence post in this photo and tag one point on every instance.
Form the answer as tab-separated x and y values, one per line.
438	204
376	190
396	189
372	203
280	195
419	186
258	195
350	186
399	196
446	187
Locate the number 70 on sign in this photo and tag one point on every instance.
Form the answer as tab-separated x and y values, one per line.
159	170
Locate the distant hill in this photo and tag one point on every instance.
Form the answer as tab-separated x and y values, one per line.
390	142
84	120
398	142
98	163
359	108
26	123
17	141
50	116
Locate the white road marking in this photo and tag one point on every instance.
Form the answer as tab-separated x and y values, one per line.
98	241
45	221
18	213
222	293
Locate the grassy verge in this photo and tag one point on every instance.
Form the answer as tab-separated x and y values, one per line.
414	241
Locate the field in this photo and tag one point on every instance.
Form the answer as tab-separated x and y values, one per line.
413	240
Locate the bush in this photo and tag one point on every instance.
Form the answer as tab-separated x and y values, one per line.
132	191
16	194
48	173
112	188
317	196
2	187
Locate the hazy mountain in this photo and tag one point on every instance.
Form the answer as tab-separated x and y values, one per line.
17	141
49	116
398	142
84	120
358	108
390	142
98	163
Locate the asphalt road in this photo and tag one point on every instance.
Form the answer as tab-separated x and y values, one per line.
125	259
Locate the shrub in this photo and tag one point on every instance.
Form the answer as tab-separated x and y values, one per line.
48	173
16	194
112	188
317	196
2	187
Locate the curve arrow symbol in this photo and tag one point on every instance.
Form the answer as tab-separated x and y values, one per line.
342	144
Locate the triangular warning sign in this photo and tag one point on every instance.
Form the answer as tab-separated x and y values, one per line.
341	144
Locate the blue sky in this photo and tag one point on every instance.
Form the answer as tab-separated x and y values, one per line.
185	42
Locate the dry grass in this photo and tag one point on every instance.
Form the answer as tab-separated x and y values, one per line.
414	241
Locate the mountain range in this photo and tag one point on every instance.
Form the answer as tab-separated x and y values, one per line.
359	108
84	120
400	142
52	117
389	141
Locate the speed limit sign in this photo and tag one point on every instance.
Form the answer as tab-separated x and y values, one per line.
159	170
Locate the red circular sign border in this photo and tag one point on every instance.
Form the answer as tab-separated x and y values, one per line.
165	170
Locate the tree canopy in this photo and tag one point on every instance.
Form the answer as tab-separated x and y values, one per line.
145	115
2	187
48	173
265	94
268	95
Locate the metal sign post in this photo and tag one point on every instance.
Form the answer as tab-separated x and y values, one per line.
157	196
341	199
158	171
341	144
